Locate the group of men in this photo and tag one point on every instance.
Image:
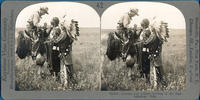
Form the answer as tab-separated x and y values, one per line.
149	56
59	48
51	45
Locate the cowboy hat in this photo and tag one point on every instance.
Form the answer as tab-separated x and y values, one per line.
45	9
134	10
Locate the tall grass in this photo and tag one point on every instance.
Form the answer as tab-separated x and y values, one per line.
86	62
115	73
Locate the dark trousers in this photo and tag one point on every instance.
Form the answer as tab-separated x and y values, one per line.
53	59
145	64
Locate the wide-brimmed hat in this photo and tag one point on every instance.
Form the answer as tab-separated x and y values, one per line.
135	11
45	9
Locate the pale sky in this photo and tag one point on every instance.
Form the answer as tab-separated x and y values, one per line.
88	17
84	14
162	11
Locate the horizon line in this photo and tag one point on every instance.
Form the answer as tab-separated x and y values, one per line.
101	28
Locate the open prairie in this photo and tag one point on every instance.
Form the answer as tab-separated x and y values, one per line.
86	62
115	73
94	71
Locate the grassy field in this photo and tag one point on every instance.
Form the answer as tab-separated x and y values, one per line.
115	73
86	62
112	75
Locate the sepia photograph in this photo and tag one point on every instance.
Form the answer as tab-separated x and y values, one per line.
143	47
57	48
60	46
99	49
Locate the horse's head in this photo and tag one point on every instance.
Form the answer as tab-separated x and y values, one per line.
41	31
133	34
74	29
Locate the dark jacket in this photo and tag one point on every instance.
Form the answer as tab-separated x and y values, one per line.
155	49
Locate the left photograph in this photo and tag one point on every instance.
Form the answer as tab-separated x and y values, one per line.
57	47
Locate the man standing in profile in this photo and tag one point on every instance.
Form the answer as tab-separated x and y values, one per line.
144	61
123	28
31	27
53	48
62	42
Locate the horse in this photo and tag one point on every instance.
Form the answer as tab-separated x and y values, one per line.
34	47
115	48
25	44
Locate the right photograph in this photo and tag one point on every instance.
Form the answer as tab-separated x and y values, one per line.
143	47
